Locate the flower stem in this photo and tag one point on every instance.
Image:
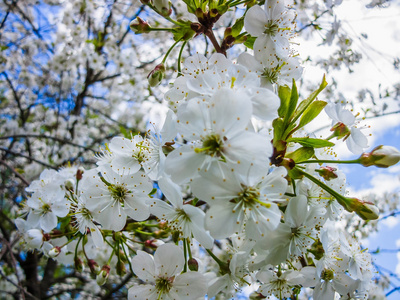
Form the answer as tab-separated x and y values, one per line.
180	57
185	254
169	51
342	200
320	161
223	266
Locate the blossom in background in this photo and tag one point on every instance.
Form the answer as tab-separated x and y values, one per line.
273	70
345	126
274	22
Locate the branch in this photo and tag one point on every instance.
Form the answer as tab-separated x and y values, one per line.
27	157
15	172
118	287
40	136
315	19
392	214
140	10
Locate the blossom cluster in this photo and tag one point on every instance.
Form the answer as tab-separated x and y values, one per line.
230	192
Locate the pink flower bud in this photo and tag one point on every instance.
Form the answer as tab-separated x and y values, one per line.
327	173
94	267
156	76
140	27
54	252
163	7
103	275
193	265
79	266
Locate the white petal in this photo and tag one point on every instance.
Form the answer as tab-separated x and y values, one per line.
230	112
296	211
48	221
222	220
324	291
139	292
169	260
265	104
197	217
190	285
184	163
171	190
255	20
144	267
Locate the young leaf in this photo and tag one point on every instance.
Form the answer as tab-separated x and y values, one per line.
303	153
277	124
237	27
311	112
284	95
305	103
250	41
310	142
294	97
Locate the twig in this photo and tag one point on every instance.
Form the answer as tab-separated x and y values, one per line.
15	172
29	158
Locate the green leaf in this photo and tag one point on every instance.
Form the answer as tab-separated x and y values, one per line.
237	27
294	97
303	153
295	174
125	132
184	32
277	124
305	103
284	95
310	142
311	112
250	41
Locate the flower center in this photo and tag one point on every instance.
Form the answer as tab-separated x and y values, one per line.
118	192
212	145
46	208
248	194
271	28
139	153
271	74
327	275
163	285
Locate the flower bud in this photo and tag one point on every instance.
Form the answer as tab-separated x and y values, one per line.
140	27
163	6
55	252
121	268
327	173
156	75
381	157
193	265
103	275
79	266
79	173
69	184
368	211
93	266
153	244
